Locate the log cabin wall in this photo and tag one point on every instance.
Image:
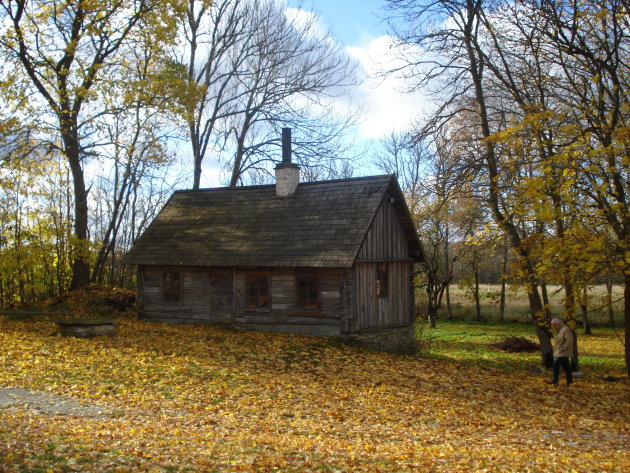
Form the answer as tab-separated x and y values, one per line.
206	296
282	313
198	291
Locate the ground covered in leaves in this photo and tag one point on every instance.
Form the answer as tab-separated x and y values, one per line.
202	399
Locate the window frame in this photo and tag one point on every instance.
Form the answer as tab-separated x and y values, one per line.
382	281
312	304
249	276
168	294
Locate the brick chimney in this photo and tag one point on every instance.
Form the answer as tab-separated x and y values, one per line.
287	173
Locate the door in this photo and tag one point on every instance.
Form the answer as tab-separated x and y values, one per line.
221	296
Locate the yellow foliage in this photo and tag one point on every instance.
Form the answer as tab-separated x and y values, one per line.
211	399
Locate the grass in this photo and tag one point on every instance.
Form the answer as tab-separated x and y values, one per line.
468	343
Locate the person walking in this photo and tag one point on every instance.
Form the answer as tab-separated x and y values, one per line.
562	351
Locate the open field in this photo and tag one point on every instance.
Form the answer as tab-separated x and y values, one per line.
163	398
517	306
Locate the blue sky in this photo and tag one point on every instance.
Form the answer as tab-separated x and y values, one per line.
357	25
353	22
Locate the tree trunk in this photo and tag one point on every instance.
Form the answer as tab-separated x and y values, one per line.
449	309
80	265
503	281
538	311
584	306
197	174
570	320
447	266
476	294
238	155
626	315
609	303
545	294
575	359
539	319
431	315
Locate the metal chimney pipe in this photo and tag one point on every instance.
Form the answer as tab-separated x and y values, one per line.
287	173
286	146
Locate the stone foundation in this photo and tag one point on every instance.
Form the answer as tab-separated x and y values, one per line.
392	339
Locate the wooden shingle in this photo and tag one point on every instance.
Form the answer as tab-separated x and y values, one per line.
323	224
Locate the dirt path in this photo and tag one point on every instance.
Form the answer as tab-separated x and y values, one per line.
47	403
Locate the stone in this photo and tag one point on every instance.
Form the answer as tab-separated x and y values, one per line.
86	328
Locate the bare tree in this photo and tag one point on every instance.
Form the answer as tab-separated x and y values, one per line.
136	127
216	47
261	69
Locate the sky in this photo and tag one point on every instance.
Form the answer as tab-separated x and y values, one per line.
358	25
353	22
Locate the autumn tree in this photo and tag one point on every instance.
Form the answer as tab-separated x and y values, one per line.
549	83
35	229
572	92
214	33
454	52
590	44
63	51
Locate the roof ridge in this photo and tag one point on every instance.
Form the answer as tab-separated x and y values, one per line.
309	183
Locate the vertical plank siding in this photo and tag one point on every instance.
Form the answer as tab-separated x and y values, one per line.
365	287
385	240
391	311
385	243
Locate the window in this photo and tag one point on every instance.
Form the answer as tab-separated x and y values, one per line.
257	286
171	286
382	281
307	292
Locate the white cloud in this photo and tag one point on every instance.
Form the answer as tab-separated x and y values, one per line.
308	20
387	106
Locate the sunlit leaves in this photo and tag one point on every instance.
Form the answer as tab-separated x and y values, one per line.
209	399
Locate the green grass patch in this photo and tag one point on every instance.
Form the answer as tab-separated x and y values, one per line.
469	343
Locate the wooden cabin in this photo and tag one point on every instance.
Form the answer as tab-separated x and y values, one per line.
325	258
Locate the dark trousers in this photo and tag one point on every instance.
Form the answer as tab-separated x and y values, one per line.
566	366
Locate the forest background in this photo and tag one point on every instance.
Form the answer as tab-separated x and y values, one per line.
518	177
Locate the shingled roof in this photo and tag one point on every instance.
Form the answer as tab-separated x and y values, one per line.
323	224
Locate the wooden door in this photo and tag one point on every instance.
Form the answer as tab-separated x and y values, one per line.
221	296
